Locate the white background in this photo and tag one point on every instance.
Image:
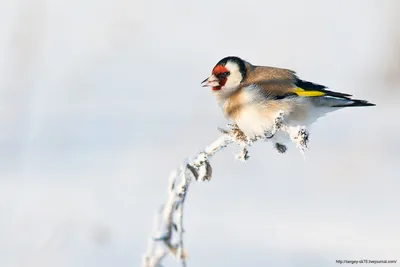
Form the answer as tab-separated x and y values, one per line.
100	100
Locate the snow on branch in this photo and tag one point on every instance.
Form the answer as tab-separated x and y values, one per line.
167	236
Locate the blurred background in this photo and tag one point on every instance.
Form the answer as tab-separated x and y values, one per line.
100	100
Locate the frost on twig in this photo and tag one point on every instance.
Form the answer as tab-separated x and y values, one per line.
168	237
168	227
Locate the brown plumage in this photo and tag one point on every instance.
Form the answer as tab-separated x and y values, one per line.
238	101
274	83
251	96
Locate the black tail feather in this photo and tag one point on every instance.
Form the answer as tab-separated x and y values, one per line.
347	100
356	103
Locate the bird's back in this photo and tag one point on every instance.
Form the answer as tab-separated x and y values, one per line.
266	73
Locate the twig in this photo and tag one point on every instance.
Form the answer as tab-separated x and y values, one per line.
197	168
169	229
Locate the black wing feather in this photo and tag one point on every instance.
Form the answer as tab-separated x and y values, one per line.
309	86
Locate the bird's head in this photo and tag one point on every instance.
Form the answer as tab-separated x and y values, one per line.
227	75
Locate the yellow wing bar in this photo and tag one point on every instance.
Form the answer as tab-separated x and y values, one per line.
301	92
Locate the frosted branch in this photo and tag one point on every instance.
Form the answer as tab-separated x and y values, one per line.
167	237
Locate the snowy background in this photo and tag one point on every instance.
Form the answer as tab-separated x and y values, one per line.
100	100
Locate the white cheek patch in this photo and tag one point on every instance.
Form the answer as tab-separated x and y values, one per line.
234	78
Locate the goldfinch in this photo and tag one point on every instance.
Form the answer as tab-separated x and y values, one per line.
252	96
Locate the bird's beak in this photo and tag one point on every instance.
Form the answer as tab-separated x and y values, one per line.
211	81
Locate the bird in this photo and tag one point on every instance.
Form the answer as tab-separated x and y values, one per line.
258	98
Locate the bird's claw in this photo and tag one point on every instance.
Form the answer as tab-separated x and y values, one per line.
269	134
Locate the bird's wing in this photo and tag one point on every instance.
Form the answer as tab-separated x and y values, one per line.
280	83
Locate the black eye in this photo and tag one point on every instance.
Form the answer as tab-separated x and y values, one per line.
223	75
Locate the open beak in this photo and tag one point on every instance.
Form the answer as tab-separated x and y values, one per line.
211	81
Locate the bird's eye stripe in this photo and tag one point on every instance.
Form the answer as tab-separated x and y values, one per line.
223	75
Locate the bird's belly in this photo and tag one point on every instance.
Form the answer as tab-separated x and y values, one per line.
256	119
254	122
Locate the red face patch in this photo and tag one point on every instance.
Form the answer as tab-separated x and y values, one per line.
219	69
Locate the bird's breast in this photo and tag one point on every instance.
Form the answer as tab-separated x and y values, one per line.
252	112
254	120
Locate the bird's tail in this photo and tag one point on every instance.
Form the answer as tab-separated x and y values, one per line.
326	98
340	102
352	103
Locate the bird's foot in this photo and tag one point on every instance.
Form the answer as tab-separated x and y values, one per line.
268	135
